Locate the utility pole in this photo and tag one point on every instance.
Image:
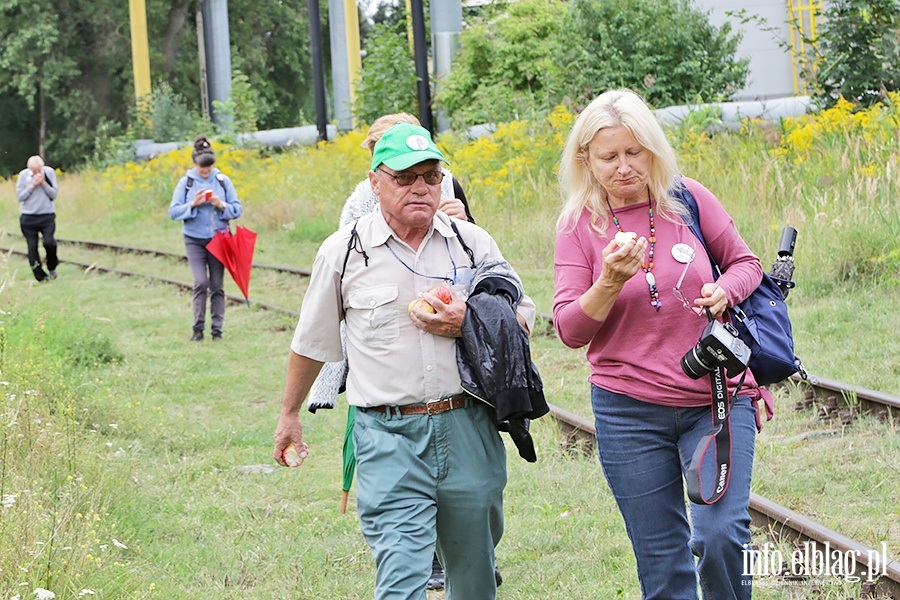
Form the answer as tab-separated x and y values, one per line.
315	42
140	52
201	55
446	24
420	51
217	46
346	62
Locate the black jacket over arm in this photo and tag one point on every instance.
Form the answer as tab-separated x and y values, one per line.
494	360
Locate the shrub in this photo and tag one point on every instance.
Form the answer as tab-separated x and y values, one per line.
666	50
505	66
388	80
539	54
239	112
858	52
165	116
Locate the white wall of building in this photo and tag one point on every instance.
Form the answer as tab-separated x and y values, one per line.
771	74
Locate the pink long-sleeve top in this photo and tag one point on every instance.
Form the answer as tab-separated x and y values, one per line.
636	350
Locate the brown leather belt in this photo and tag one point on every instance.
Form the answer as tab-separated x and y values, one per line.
430	408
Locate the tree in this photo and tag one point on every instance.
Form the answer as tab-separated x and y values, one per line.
666	50
539	53
506	66
270	44
859	52
68	63
387	83
35	63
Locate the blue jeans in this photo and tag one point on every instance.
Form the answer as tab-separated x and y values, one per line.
645	449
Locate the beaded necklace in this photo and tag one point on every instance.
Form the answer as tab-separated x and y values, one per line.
646	266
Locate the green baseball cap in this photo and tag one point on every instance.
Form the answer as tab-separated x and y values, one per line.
403	146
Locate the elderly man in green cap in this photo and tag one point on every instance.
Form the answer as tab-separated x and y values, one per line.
431	466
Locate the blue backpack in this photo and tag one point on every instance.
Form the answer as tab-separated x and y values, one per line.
762	319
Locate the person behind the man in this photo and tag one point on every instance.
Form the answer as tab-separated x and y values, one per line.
36	189
431	467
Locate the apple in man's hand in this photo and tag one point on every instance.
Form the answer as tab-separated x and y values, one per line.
292	457
440	292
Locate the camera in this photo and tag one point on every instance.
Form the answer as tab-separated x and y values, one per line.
719	344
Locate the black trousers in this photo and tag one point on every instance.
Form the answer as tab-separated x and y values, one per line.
45	226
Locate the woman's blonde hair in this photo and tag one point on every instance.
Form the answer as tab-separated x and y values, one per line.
384	123
578	186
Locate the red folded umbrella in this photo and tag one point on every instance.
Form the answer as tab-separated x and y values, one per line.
236	253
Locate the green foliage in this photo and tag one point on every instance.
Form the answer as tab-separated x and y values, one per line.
165	117
506	66
521	62
240	110
271	46
32	62
859	52
91	351
65	70
388	80
666	50
112	146
37	67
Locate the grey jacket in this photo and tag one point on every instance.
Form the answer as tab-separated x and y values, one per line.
37	201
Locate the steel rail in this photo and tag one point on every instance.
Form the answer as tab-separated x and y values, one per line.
88	267
829	391
879	403
162	253
780	521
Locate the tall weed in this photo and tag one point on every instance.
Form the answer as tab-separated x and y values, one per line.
54	523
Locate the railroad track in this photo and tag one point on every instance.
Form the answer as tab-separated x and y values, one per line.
579	433
781	522
834	399
180	256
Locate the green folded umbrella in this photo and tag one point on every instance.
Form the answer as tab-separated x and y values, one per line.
349	458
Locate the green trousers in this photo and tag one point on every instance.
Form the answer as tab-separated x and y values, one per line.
426	482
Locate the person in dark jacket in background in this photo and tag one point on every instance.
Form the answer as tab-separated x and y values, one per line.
205	200
36	189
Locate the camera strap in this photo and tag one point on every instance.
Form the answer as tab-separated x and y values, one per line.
720	436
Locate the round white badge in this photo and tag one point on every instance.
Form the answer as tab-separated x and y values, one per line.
417	142
683	253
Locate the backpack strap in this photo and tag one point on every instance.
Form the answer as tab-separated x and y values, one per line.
684	195
462	243
352	244
187	186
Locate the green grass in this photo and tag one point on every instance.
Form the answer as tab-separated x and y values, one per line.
155	441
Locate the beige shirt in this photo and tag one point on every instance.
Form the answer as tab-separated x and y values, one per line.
392	362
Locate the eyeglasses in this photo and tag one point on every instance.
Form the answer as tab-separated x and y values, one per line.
677	289
407	178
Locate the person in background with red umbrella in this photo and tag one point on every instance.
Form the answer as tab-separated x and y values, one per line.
205	201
